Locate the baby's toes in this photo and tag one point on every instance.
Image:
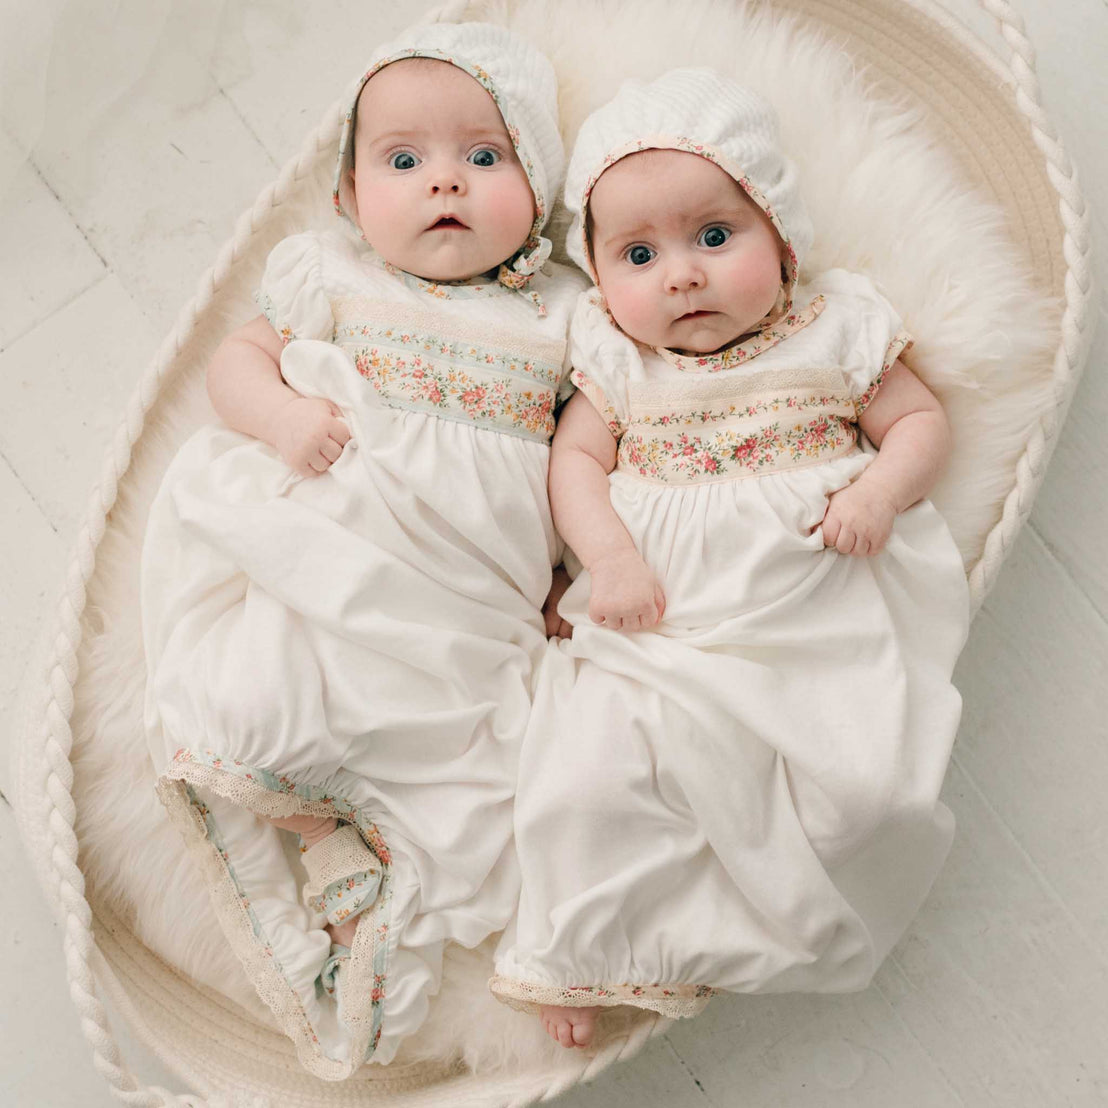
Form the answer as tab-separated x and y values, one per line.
583	1027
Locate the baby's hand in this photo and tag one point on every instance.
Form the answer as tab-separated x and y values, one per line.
309	434
625	595
556	627
859	519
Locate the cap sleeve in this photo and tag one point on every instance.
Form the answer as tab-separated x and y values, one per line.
602	358
291	294
874	334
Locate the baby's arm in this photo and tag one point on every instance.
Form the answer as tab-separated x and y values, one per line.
249	394
909	427
625	594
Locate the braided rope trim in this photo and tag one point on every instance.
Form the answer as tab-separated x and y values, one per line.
69	889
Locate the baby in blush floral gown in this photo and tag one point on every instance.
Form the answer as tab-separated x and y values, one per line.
731	775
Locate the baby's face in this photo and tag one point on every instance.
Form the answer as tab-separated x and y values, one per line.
439	189
685	259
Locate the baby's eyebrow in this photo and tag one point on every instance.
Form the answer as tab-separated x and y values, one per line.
625	234
411	134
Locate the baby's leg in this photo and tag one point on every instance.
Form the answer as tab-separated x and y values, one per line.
569	1026
312	830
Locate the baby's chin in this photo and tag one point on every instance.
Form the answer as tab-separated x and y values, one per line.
448	265
704	342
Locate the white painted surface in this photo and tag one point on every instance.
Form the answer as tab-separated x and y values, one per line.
999	994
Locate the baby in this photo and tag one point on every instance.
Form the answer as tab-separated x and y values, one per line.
730	780
342	593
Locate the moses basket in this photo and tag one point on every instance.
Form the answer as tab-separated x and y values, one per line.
975	114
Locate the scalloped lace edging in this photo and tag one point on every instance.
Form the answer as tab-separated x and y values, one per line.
671	1001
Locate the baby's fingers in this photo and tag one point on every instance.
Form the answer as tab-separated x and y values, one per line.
339	431
659	601
330	450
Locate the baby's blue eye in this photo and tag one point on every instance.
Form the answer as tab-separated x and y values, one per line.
640	255
484	157
403	160
713	236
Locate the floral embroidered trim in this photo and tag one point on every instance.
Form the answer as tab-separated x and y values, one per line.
269	310
790	402
486	399
747	348
347	897
599	401
690	458
434	345
901	341
360	1007
672	1001
445	290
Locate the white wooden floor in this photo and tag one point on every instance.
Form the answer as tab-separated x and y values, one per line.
998	996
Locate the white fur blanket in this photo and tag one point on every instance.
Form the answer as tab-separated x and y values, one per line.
885	199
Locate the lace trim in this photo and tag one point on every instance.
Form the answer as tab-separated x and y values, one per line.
343	877
482	342
362	975
653	396
671	1001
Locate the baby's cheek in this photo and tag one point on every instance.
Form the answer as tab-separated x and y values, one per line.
511	202
627	305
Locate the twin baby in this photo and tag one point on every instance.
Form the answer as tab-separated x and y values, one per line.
726	776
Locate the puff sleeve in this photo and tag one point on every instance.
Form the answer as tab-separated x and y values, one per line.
292	295
873	335
603	359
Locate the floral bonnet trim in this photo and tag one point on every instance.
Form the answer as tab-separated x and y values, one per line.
717	157
516	273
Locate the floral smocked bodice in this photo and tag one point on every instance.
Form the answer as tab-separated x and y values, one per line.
747	411
473	352
476	374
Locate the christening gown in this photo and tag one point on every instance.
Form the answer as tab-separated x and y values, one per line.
744	797
362	643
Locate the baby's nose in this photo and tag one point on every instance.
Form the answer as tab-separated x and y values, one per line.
446	180
683	276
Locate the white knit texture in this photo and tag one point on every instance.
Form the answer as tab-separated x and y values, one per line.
736	124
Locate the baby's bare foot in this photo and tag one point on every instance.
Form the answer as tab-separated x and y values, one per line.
569	1026
343	933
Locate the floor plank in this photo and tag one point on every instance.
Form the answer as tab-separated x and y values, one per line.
995	981
1035	734
70	379
808	1051
36	225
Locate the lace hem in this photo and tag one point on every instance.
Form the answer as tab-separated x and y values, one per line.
670	1001
364	973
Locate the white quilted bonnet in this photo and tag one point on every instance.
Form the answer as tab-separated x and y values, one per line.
520	80
698	111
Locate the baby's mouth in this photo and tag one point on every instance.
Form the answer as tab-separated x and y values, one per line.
448	222
700	313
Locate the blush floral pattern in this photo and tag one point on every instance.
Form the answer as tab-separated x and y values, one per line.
496	390
688	457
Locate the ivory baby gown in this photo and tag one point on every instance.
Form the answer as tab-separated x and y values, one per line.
361	643
744	797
